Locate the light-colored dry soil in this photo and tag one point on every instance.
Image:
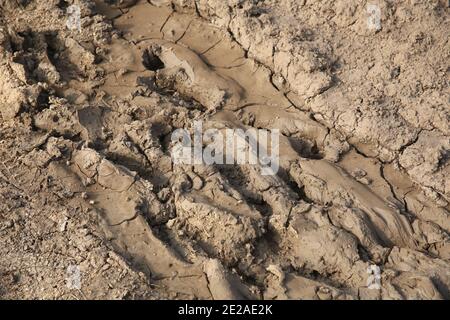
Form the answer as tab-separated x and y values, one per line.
87	179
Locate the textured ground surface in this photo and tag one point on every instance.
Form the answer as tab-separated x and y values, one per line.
87	181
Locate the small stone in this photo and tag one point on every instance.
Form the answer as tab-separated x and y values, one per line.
365	180
197	183
63	225
106	266
170	223
324	293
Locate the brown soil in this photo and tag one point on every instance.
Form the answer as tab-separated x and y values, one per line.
87	180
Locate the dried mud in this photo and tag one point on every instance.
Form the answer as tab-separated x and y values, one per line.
86	176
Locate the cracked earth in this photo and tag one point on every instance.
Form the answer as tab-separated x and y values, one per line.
87	179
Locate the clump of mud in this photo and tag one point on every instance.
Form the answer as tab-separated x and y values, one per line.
93	206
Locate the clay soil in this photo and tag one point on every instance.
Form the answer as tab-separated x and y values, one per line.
359	208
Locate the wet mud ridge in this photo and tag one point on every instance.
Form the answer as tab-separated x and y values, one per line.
359	208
